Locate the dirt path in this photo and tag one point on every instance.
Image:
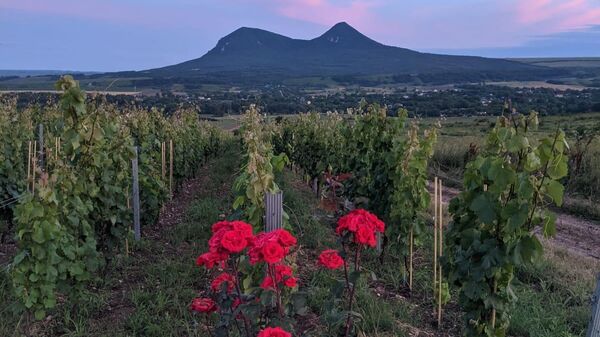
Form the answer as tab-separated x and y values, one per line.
575	234
119	306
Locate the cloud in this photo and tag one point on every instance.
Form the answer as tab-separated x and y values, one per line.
327	13
558	15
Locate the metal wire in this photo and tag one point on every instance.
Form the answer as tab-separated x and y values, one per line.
13	200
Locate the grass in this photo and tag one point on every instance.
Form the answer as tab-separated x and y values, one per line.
554	296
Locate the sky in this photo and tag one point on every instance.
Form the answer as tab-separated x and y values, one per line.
112	35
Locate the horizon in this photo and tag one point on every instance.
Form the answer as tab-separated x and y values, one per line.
133	35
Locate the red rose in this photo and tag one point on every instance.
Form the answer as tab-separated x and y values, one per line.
274	332
210	259
290	282
285	238
267	283
362	225
230	237
365	236
270	247
216	284
233	241
272	252
226	225
283	275
206	305
330	259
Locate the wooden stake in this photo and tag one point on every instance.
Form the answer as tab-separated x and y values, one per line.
485	188
163	155
136	196
171	168
410	266
494	309
440	237
33	165
28	165
435	230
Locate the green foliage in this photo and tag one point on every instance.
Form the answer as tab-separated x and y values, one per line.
410	197
15	132
369	147
315	142
258	173
506	190
78	208
78	214
387	162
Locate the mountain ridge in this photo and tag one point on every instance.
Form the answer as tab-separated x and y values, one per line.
340	51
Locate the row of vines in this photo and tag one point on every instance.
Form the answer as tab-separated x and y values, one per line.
76	215
380	163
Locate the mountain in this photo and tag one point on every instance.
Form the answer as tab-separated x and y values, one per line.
251	54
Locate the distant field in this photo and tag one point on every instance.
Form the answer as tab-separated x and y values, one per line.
567	62
538	84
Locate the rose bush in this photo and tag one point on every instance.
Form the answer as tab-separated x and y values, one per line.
330	259
357	230
246	260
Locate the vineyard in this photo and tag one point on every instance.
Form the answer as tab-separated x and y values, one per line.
366	244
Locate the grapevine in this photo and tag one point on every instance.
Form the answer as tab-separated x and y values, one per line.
507	189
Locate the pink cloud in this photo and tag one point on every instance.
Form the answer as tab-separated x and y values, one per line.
558	15
325	12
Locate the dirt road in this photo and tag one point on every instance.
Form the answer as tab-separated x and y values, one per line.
575	234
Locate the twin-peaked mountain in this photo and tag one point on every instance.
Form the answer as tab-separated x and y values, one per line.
342	50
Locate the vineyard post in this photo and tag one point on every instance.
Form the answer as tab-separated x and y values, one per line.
136	196
163	158
410	263
485	188
171	168
57	150
435	230
33	166
273	211
41	141
440	238
29	165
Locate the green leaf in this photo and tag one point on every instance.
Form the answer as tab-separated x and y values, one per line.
558	168
556	191
239	201
40	314
527	250
38	235
549	225
19	257
533	162
483	208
